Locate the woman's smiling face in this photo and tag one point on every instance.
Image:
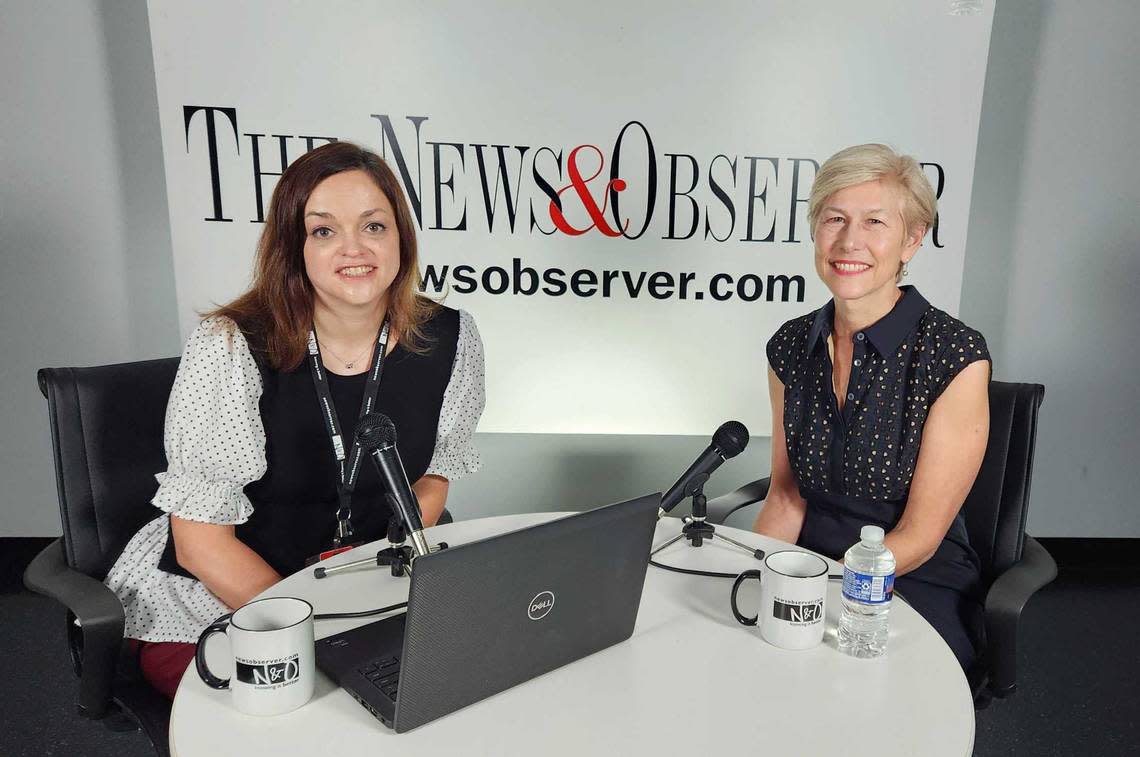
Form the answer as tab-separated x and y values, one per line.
861	240
352	246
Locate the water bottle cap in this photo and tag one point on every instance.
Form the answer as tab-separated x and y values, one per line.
873	534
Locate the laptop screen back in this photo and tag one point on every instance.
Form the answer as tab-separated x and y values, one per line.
488	615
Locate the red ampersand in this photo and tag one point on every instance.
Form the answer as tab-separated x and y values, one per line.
579	185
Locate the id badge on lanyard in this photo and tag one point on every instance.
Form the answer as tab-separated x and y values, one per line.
346	451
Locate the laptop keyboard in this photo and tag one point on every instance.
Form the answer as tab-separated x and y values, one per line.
383	673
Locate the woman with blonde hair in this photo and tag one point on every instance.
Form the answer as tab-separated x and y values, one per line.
263	474
880	408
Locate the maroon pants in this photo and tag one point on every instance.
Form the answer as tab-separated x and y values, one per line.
163	663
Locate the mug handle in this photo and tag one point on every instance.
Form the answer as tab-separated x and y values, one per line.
211	680
736	587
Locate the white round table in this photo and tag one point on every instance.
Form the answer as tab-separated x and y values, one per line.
691	681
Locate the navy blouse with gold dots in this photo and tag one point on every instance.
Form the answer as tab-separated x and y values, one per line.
854	466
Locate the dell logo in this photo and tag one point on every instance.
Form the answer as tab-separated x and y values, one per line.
541	605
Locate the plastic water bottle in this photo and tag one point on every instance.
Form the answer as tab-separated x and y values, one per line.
868	583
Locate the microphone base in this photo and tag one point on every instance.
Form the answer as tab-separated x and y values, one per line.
397	558
697	530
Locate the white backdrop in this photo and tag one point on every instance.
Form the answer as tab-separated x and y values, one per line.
739	98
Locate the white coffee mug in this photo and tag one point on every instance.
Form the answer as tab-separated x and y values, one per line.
793	590
271	641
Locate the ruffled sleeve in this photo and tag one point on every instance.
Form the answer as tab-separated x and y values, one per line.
463	401
215	442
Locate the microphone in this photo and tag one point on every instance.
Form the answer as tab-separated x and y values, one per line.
376	435
728	441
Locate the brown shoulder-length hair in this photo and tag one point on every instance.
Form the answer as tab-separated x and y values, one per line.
277	311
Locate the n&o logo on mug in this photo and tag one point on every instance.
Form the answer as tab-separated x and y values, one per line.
794	611
271	673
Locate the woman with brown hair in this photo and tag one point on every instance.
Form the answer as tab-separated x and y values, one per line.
262	472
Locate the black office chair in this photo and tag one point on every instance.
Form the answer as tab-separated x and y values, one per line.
107	435
106	430
1014	565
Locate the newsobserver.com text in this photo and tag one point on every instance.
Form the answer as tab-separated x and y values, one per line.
523	280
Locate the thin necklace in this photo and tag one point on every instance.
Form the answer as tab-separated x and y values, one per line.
349	363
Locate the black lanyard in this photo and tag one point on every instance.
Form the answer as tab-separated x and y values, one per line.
348	465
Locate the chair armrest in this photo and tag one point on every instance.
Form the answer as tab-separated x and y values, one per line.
101	619
1004	601
720	508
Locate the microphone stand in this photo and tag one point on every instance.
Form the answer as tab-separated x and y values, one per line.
398	556
697	530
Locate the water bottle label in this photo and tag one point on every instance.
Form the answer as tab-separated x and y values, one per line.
868	589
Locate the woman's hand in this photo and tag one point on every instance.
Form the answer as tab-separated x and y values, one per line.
953	445
222	562
431	491
782	515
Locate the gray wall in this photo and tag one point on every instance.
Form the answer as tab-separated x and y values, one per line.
1053	257
89	279
573	472
84	231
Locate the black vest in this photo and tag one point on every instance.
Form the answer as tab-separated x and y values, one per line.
295	502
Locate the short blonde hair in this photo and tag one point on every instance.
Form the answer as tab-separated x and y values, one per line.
875	162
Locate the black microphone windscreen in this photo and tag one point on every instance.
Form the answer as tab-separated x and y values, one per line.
375	430
731	438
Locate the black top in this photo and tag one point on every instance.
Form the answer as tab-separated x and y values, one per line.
854	467
295	502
